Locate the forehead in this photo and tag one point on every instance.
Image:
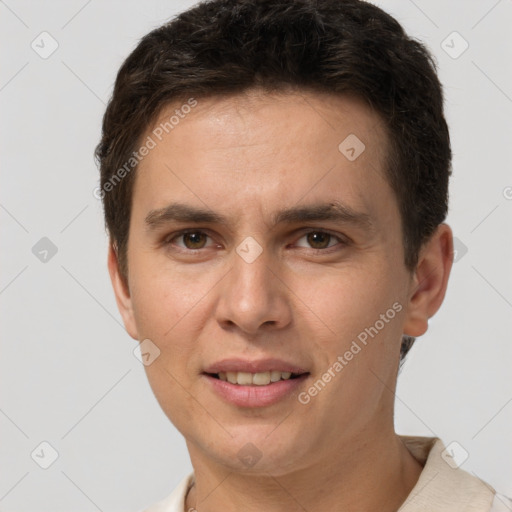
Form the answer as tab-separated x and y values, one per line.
258	116
258	150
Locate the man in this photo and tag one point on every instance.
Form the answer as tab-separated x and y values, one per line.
275	181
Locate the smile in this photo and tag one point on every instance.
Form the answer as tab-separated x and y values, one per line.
255	379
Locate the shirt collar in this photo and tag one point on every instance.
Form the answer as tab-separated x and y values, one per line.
443	486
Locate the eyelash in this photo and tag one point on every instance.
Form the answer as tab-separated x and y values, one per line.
341	241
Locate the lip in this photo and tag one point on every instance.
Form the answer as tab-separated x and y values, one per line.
254	395
256	366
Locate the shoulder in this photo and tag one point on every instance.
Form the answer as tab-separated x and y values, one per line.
175	502
443	482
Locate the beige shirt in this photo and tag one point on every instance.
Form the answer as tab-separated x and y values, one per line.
441	487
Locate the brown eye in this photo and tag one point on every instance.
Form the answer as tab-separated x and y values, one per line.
194	240
191	240
318	239
322	241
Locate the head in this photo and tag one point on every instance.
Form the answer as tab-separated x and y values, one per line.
272	117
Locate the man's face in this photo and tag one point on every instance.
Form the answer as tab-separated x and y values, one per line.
302	290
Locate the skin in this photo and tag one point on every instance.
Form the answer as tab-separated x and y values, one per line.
246	157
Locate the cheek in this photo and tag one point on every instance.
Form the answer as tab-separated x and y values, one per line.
172	309
168	311
162	297
344	314
348	299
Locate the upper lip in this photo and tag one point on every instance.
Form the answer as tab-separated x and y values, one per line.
255	366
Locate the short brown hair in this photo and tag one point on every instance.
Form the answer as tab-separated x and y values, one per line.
221	47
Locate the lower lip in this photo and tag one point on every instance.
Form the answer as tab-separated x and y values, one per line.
255	396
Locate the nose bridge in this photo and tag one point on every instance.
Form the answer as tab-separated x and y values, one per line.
252	295
251	287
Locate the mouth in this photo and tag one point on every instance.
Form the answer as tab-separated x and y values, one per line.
261	389
255	379
255	382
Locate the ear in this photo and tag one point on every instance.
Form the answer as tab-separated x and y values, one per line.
430	280
122	293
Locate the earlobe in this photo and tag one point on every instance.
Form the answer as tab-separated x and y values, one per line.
122	293
430	281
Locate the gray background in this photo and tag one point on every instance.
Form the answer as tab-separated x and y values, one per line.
67	369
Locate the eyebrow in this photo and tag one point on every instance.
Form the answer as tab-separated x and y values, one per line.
331	211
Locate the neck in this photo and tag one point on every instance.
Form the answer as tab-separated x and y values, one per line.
378	474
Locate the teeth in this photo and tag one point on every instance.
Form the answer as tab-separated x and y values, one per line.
258	379
275	375
244	379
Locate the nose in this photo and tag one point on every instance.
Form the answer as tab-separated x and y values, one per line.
254	296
